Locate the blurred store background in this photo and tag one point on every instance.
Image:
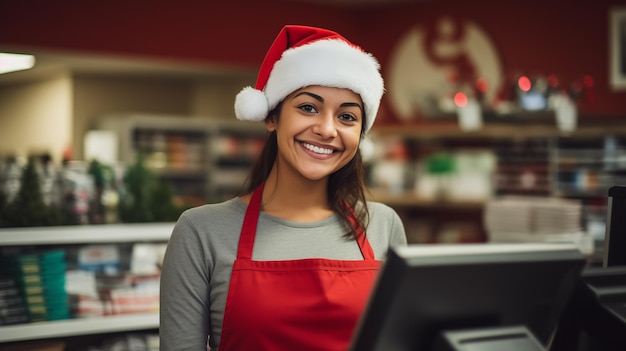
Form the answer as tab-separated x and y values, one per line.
502	121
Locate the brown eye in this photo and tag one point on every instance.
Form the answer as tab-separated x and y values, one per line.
346	117
308	108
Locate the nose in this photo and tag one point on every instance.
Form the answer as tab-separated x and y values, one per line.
325	126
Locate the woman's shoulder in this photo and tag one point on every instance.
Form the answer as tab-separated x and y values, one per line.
221	210
383	216
380	209
211	223
385	227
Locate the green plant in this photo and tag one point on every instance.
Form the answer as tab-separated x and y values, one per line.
145	198
28	208
3	206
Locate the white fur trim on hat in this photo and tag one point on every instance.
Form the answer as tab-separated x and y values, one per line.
251	105
325	62
331	63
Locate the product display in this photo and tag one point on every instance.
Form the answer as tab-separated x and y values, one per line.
39	280
12	307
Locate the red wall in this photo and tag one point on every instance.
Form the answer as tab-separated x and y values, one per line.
565	37
236	32
568	38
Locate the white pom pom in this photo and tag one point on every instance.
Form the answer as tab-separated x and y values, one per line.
251	105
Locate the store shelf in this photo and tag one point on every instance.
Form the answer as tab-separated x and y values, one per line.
188	152
85	234
78	327
533	157
411	200
518	126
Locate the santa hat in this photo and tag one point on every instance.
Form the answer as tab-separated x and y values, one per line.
301	56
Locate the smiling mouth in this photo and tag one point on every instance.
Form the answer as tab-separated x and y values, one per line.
317	149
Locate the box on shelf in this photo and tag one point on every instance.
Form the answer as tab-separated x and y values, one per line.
39	277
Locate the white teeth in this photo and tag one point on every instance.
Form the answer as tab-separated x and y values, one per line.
317	149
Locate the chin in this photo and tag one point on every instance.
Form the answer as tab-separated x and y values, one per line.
315	178
316	175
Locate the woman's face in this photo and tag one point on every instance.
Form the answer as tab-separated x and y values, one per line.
318	130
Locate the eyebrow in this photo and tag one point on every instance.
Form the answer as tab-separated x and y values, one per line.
321	99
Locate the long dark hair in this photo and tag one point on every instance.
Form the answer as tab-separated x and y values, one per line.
346	187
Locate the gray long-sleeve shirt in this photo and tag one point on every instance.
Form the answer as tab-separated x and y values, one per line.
203	246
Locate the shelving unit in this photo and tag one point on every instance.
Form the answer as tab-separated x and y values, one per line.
523	166
589	166
409	200
86	234
534	158
204	159
78	327
82	235
233	149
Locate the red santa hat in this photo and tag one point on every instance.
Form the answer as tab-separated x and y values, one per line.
301	56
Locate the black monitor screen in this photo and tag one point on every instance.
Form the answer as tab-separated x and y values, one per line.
424	290
615	237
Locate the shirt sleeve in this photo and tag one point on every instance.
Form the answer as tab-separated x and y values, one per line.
398	232
184	310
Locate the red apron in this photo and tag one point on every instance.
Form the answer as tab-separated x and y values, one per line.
294	305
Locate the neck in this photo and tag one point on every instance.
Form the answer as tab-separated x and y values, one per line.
295	198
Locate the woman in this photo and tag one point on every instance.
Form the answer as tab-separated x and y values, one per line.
288	265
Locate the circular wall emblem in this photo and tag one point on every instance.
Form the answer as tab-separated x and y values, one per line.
432	62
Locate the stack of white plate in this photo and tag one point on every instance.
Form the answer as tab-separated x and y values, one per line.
528	219
508	215
557	216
